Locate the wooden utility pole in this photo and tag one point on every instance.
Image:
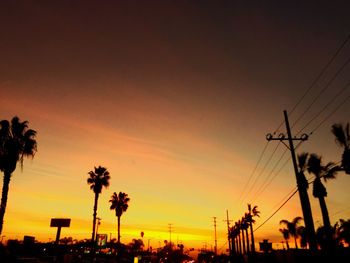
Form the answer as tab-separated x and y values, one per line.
228	233
301	182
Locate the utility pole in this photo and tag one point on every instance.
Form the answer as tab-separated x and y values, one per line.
228	232
216	242
301	181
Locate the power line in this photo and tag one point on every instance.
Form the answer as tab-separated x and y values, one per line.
323	90
325	107
267	182
318	77
321	73
263	223
261	172
253	172
330	115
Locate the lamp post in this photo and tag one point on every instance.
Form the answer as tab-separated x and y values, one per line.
98	223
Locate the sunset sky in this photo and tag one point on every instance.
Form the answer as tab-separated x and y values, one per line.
175	99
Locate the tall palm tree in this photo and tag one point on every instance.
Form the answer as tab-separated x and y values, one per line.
250	218
303	184
342	137
16	142
292	227
319	190
286	235
302	165
241	231
233	237
245	226
97	179
238	229
119	203
301	230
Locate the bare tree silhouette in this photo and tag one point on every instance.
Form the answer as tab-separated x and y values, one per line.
16	142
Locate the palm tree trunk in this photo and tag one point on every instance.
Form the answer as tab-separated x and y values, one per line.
295	241
233	246
4	196
94	222
239	242
287	244
252	237
325	215
247	239
326	222
243	241
118	229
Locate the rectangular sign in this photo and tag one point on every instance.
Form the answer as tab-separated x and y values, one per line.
101	240
60	222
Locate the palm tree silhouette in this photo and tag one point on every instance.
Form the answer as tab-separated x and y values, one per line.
119	203
250	218
343	231
245	226
238	233
302	165
342	137
301	230
292	227
304	184
285	233
319	190
16	142
241	231
97	179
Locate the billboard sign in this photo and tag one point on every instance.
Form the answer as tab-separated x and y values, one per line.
60	222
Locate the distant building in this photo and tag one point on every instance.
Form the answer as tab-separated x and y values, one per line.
265	246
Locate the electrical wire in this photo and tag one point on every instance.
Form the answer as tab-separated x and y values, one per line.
330	115
269	179
278	209
322	91
318	77
253	172
340	92
261	172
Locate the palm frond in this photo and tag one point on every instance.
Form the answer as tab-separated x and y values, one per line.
302	161
314	164
330	171
341	134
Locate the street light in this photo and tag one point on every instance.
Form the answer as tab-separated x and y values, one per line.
98	223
